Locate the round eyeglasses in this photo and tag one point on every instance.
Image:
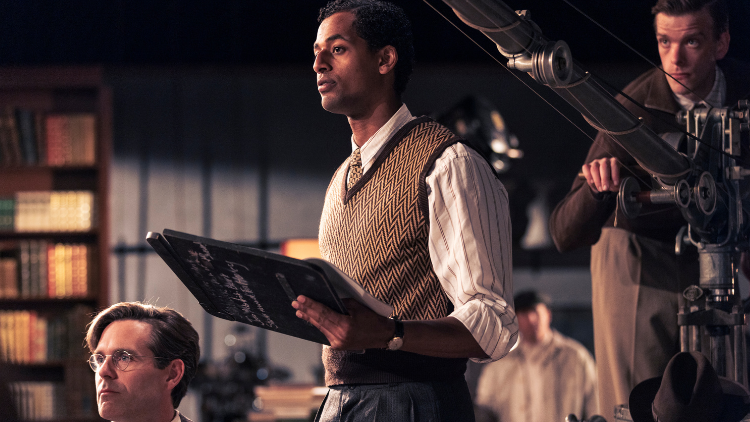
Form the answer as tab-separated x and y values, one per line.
121	359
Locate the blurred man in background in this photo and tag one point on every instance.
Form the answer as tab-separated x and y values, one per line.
546	378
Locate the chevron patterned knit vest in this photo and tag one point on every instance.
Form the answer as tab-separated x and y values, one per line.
377	233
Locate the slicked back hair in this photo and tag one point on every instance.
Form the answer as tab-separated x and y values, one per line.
380	24
718	10
172	337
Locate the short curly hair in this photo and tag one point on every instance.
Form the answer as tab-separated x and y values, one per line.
380	23
172	337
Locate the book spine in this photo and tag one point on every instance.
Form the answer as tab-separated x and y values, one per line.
27	136
66	141
8	278
68	265
11	133
42	265
34	283
7	206
24	259
53	135
21	211
5	152
4	337
84	210
18	337
3	279
60	270
57	211
89	140
40	137
30	340
51	271
76	139
40	340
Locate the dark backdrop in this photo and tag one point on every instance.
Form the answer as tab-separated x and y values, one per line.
282	31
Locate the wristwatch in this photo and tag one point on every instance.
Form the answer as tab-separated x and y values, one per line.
397	341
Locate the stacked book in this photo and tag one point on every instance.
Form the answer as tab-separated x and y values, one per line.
52	211
29	337
8	277
7	212
42	269
39	401
56	139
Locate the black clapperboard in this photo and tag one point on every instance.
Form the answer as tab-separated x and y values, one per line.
247	285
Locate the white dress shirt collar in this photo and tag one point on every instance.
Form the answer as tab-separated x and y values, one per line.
370	149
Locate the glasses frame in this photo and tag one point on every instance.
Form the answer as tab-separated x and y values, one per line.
96	366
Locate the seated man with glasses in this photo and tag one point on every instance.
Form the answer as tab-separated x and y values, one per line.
144	358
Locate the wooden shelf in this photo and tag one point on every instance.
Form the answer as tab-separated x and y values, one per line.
87	236
47	178
42	168
61	90
45	303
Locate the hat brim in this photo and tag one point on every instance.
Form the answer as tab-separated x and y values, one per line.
641	398
736	400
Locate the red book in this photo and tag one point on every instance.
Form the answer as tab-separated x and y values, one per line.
53	134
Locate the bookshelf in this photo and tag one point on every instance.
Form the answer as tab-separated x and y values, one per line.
55	147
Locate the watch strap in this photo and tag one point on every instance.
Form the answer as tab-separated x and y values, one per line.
399	328
397	340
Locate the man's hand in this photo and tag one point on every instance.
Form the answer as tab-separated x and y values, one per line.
364	329
361	329
603	174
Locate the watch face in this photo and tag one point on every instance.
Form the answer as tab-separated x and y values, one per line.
395	343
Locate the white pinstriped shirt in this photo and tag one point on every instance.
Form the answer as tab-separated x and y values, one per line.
470	238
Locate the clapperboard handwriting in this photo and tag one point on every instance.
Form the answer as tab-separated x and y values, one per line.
247	285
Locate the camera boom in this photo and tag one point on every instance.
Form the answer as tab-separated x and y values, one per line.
708	182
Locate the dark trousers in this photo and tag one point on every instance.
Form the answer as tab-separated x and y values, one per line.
406	401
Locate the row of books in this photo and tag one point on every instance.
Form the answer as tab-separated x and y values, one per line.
74	399
28	137
39	401
44	269
30	337
48	211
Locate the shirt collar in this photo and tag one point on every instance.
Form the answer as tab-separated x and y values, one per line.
176	416
370	149
715	97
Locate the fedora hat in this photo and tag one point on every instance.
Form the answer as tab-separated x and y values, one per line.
689	391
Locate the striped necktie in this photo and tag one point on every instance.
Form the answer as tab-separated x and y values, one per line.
355	169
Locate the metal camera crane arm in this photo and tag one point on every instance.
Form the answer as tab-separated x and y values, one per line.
551	63
708	183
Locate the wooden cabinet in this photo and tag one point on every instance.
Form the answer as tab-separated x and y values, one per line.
55	148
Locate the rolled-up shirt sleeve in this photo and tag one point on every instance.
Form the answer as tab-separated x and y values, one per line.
471	248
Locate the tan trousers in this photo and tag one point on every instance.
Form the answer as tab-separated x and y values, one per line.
636	290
